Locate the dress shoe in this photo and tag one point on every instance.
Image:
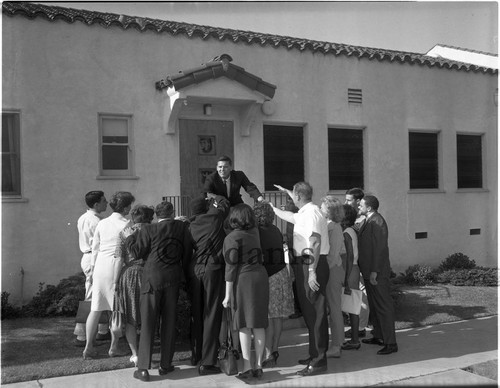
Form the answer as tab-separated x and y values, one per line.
208	370
244	376
103	337
305	361
257	373
388	349
373	341
312	370
163	371
361	333
141	374
271	361
350	345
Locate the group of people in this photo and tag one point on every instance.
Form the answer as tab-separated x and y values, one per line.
232	259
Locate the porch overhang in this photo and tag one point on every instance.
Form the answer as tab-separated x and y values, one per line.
190	86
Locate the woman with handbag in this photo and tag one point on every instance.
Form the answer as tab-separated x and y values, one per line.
333	211
352	273
126	302
106	268
247	287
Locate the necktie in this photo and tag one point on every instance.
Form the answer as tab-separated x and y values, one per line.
227	187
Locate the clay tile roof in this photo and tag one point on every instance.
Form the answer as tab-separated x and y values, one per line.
70	15
217	67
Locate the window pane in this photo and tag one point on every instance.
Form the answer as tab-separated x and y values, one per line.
114	157
283	156
11	171
423	160
114	127
469	161
345	158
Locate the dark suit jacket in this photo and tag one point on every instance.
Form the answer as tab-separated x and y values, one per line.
215	185
373	247
168	246
208	234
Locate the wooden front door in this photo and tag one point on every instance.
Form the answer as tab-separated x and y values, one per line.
201	143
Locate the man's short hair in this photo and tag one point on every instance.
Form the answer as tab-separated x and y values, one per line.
225	158
371	201
164	210
356	193
93	197
304	189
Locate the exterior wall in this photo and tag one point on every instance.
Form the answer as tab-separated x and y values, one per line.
60	76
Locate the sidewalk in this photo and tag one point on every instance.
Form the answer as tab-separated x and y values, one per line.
428	356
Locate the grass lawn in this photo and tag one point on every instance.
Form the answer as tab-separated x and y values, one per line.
39	348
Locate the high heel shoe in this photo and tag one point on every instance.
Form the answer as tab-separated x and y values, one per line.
134	360
89	354
245	375
351	345
271	361
111	353
257	373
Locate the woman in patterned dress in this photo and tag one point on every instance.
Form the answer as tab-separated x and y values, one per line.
280	285
129	286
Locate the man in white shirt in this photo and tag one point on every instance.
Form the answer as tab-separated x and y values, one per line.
96	203
311	246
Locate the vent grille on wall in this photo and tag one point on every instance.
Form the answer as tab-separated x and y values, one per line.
420	235
475	231
354	96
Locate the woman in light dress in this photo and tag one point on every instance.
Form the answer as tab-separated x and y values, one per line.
106	268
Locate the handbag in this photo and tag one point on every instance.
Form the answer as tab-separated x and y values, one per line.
84	311
351	301
228	356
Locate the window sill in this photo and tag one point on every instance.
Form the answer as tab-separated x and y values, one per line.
472	190
117	177
426	191
14	200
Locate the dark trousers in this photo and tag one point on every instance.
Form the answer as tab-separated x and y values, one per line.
158	303
313	306
207	315
196	322
381	309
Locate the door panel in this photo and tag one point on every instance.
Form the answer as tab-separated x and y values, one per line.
201	143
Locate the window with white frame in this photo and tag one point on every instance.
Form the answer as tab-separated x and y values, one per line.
469	161
345	158
424	163
11	154
115	135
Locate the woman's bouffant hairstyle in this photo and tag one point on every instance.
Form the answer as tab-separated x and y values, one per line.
120	200
241	217
142	214
335	208
264	213
350	215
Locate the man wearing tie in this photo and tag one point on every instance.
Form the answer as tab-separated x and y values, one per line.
228	182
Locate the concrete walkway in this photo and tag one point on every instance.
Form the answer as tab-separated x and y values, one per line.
428	356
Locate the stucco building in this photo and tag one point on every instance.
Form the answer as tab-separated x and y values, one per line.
113	102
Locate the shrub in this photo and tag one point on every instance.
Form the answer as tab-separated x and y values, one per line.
8	310
417	274
456	261
57	300
479	276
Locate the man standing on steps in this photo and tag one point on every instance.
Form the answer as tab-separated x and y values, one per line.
376	270
228	182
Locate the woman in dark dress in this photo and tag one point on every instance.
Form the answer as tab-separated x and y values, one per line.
129	286
280	284
247	287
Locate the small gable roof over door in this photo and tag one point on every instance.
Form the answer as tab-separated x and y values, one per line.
220	66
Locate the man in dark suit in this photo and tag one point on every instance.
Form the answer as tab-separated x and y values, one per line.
167	245
376	270
228	182
206	283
